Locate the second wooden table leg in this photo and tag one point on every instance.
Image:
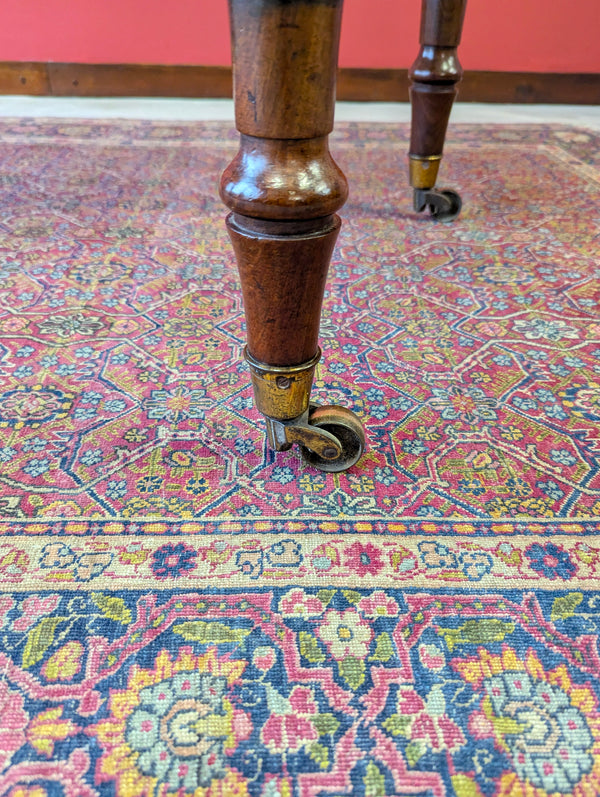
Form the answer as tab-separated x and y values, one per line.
434	76
284	189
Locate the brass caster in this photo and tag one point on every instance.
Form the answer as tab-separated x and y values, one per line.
331	438
442	205
346	428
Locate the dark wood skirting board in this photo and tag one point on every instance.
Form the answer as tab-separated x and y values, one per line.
114	80
384	85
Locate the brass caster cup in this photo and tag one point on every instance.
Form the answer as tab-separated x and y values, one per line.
282	392
423	170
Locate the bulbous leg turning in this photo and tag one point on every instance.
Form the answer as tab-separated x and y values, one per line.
284	188
434	76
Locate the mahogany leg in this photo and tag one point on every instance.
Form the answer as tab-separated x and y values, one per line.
284	188
434	76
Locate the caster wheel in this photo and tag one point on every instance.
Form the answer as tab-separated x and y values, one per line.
443	205
345	426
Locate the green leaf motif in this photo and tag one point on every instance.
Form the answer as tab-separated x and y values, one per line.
325	723
397	724
320	754
352	671
39	640
309	648
414	751
325	596
565	607
384	650
476	632
111	607
374	781
210	633
351	596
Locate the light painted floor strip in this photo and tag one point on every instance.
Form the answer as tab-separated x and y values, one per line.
170	109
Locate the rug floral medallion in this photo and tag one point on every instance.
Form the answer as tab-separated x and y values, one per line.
184	613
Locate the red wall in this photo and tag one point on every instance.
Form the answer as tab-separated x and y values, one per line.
507	35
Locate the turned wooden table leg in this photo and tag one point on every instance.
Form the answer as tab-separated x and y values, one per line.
284	189
434	76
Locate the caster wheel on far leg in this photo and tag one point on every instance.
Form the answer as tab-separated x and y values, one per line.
345	426
443	205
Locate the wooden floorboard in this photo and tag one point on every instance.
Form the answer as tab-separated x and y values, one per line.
391	85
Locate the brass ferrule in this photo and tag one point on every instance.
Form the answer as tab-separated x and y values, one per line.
281	392
423	170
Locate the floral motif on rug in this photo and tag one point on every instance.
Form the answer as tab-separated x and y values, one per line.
292	691
183	612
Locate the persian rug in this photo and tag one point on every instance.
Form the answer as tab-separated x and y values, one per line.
183	612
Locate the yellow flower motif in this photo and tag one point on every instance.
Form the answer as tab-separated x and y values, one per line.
511	433
172	730
47	728
362	484
312	484
522	703
427	433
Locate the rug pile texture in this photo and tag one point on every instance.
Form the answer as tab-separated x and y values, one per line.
183	612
